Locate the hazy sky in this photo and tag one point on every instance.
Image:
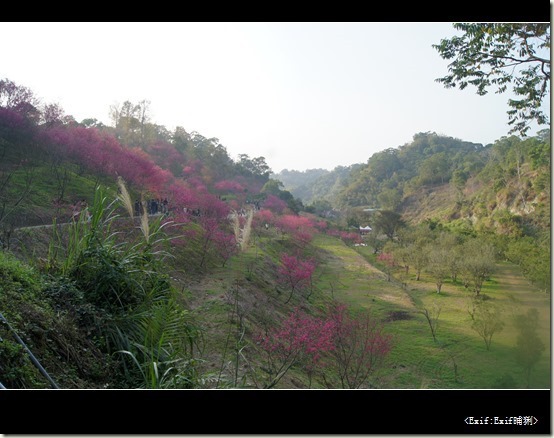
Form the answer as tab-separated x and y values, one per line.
303	95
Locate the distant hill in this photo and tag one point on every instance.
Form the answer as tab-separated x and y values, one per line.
315	184
442	178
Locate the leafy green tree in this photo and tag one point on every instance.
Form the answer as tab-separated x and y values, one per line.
540	150
486	319
275	187
435	169
320	207
477	263
382	165
253	166
458	180
500	55
534	259
529	347
452	256
436	265
410	248
373	240
417	258
388	223
389	198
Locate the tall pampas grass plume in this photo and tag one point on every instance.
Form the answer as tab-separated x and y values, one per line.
127	202
124	196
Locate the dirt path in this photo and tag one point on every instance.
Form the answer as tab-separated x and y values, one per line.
357	279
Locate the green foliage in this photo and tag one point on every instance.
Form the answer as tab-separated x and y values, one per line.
434	169
129	298
428	159
539	150
486	319
17	277
51	317
160	340
388	223
477	263
436	264
389	199
313	185
254	166
529	347
16	370
506	381
533	256
498	55
275	187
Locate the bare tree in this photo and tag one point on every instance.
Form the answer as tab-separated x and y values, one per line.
432	317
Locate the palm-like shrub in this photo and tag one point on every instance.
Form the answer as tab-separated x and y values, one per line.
136	315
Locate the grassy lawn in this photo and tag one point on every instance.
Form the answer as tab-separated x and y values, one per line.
458	358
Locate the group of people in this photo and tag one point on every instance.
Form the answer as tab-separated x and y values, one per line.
256	204
153	206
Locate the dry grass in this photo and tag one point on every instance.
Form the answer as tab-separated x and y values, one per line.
124	196
242	236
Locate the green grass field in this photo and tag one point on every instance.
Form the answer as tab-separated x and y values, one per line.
459	358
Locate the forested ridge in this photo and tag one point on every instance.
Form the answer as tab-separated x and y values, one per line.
136	257
501	188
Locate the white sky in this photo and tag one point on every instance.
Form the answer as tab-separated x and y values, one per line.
302	95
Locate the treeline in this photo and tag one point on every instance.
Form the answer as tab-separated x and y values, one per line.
316	187
391	175
500	189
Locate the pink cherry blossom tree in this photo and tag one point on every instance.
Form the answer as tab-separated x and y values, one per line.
360	345
295	274
299	339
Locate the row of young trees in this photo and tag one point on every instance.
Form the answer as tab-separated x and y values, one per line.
442	255
467	255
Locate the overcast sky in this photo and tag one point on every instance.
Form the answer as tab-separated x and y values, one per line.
302	95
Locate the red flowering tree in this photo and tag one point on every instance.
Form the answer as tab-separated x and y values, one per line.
167	156
191	168
299	339
359	345
295	274
275	204
300	228
101	152
350	238
321	225
229	186
225	245
263	217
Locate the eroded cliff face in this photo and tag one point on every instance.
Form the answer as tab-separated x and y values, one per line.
521	199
